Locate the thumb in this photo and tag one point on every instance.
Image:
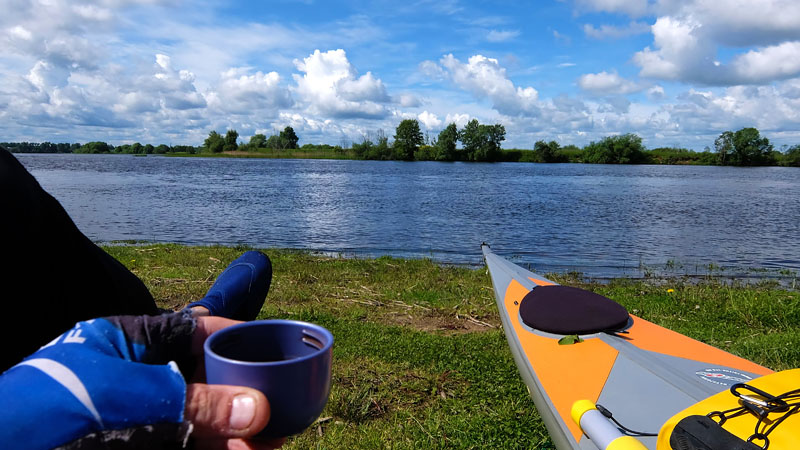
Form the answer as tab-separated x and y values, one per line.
220	411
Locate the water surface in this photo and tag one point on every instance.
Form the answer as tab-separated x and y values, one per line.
602	220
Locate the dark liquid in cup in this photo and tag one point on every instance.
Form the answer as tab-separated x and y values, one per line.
236	346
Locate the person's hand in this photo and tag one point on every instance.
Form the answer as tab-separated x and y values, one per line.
115	382
224	416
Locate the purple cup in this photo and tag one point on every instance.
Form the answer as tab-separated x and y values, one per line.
287	360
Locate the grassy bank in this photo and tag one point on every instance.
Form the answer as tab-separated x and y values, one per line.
420	360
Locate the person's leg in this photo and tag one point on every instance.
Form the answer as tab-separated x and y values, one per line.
240	290
52	275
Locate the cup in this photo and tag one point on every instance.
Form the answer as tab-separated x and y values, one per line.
289	361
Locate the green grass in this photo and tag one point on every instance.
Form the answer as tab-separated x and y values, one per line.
420	360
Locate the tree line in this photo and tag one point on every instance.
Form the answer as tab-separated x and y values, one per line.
478	142
97	147
216	143
745	147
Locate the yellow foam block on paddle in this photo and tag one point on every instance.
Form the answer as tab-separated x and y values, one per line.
597	427
785	436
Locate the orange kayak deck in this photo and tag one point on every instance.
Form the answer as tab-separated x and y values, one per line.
643	376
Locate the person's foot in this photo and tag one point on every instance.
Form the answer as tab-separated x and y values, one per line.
240	290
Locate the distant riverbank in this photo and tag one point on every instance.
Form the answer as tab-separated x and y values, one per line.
743	148
659	156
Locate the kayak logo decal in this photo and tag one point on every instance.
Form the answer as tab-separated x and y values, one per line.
724	377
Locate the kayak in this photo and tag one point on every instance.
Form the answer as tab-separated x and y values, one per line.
575	348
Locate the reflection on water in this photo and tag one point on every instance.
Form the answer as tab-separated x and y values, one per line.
598	219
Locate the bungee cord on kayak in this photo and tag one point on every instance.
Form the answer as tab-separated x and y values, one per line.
630	432
787	403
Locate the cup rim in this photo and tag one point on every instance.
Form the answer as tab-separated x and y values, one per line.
215	335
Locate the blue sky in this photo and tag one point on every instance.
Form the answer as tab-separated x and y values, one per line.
677	73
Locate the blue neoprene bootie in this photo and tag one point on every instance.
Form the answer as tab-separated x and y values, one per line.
240	290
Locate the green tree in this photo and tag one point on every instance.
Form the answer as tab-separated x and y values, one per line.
723	145
425	152
547	152
215	143
94	147
161	149
363	149
230	141
572	153
495	134
792	157
382	149
471	139
751	149
623	149
257	141
289	138
482	142
274	142
407	139
446	144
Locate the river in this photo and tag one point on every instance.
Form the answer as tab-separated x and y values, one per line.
602	220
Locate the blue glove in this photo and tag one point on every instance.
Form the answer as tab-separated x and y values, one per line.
106	383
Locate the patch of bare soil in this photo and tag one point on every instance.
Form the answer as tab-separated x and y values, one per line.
439	323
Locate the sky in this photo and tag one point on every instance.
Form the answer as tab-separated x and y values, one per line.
677	73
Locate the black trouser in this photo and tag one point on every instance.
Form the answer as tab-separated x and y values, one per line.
52	275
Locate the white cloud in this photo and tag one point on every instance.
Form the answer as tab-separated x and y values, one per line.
241	93
157	98
309	129
741	23
768	108
432	70
409	101
89	70
173	88
688	37
44	76
633	8
459	119
20	32
682	54
56	32
485	78
135	103
620	105
92	13
656	93
502	35
770	63
330	86
563	38
429	120
614	32
605	83
76	67
364	88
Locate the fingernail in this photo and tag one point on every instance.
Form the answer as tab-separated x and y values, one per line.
243	411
